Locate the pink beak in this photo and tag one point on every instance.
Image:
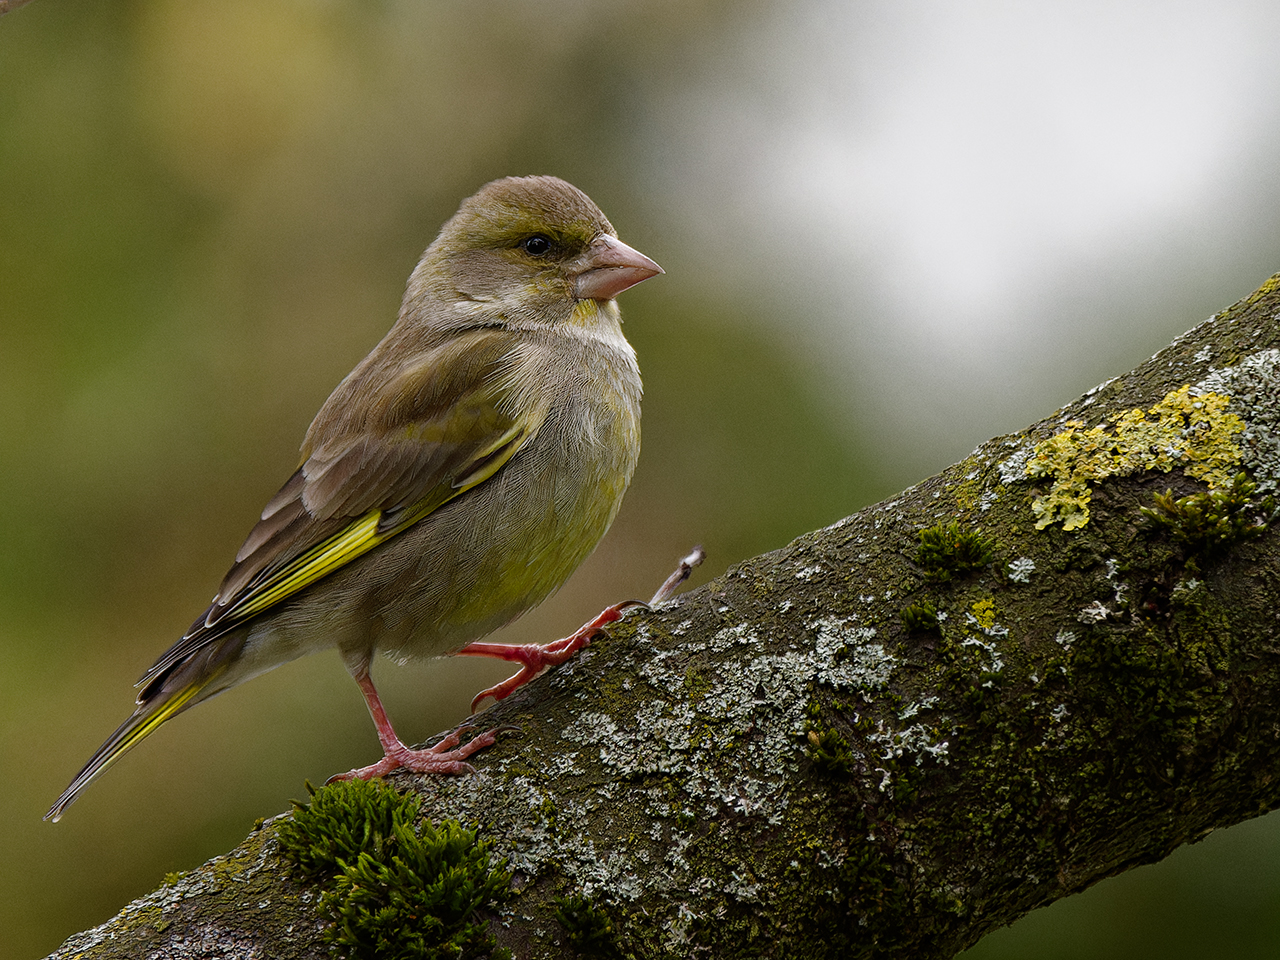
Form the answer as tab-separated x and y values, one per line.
609	268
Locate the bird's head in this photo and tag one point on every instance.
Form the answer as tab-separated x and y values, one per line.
532	249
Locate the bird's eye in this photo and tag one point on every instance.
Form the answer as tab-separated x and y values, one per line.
536	246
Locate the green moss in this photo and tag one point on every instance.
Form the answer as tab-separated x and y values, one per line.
947	551
1210	523
828	749
394	891
588	929
1195	433
921	617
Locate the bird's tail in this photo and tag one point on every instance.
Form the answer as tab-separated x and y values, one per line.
169	700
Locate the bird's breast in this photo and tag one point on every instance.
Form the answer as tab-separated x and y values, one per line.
505	545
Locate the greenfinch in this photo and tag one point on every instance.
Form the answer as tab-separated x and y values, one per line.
456	477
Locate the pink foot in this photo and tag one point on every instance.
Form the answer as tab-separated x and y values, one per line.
440	758
536	657
444	757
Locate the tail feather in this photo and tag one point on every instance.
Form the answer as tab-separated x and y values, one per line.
146	718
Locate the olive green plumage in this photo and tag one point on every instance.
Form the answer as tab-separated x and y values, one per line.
454	479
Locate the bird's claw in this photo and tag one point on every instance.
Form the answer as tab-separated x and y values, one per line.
537	657
445	756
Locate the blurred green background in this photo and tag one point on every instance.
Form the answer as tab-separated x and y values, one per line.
891	230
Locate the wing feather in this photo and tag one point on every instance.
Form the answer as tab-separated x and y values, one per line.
448	431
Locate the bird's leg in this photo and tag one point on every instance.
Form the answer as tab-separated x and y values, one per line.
440	758
536	657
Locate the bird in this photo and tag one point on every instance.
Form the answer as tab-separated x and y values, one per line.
452	481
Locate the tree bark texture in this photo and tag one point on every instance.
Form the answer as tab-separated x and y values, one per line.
1052	662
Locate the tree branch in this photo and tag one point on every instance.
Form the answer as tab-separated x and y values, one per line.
1052	662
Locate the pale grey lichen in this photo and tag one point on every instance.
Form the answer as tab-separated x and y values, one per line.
995	662
1121	588
1253	385
911	709
868	669
1094	612
718	747
918	739
1014	467
1020	570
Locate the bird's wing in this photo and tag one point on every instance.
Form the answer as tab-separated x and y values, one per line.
437	430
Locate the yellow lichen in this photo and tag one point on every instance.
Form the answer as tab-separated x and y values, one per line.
1195	433
984	613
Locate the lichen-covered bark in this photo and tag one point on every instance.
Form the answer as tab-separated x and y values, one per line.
240	905
853	747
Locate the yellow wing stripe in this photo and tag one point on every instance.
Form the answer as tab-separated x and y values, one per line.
363	535
342	547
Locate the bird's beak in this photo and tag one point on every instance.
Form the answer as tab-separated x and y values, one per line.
608	268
